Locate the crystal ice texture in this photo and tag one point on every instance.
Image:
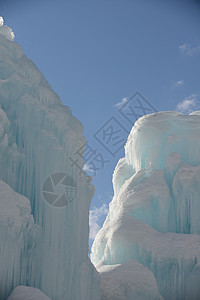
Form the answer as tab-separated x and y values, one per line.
149	246
41	246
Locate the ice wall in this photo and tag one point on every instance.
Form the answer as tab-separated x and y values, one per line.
38	134
153	220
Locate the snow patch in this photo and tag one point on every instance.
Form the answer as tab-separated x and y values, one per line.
27	293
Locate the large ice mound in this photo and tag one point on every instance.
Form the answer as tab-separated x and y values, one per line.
27	293
42	245
153	220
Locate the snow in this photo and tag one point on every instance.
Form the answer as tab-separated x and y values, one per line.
27	293
130	280
45	247
167	132
15	210
153	218
16	228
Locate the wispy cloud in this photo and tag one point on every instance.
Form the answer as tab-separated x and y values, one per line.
189	104
189	50
94	218
119	104
178	83
88	168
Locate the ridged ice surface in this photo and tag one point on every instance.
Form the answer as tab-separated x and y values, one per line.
38	134
153	220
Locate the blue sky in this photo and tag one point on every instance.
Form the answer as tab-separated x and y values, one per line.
96	54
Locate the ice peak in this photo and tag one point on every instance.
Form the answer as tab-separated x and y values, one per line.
6	31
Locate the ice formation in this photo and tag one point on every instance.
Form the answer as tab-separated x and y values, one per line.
42	246
149	246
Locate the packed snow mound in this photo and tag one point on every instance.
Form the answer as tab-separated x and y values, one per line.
15	211
39	139
154	215
6	31
16	231
27	293
122	281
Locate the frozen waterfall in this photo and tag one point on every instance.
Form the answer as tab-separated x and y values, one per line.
44	244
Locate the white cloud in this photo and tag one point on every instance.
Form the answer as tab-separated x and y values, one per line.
87	168
1	21
189	104
94	217
189	50
178	83
119	104
6	31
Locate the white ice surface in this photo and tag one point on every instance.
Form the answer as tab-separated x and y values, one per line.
38	135
154	215
16	231
15	210
130	280
27	293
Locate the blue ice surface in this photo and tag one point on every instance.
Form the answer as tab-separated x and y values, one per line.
48	247
153	219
